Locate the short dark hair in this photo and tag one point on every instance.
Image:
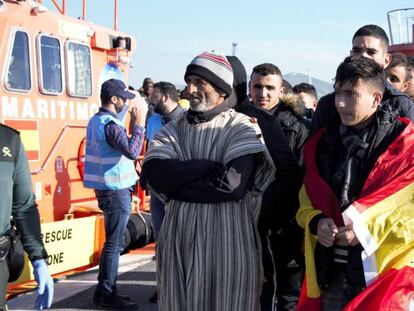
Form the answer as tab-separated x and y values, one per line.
167	88
147	81
410	59
399	59
306	88
287	87
266	69
372	31
353	69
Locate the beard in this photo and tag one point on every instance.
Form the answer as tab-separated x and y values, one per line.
199	103
119	109
159	108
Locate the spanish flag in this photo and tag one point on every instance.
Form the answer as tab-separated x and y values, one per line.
383	221
29	134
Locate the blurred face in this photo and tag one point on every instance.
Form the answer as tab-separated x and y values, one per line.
397	77
309	101
372	48
265	90
158	99
203	96
356	104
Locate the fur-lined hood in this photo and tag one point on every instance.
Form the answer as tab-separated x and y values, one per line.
293	102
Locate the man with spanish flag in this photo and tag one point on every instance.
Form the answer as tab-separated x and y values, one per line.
357	203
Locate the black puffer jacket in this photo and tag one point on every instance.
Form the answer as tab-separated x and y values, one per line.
280	200
296	128
282	193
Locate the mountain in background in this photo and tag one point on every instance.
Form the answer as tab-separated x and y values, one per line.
179	86
322	87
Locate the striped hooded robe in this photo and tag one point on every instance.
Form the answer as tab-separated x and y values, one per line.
209	254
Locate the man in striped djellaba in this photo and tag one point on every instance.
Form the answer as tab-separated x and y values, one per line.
211	167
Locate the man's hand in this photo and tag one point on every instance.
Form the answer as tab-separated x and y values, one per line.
138	115
327	231
346	236
44	284
139	109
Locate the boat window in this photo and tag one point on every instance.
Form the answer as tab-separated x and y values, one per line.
50	65
79	74
18	71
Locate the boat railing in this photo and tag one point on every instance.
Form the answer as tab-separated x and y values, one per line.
61	7
400	24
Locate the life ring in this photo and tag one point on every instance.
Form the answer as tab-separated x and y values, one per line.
81	158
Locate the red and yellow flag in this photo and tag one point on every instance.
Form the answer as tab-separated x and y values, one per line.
29	133
383	220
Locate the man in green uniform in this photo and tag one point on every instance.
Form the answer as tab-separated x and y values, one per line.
18	201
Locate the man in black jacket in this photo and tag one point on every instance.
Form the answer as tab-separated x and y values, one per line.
370	41
266	90
282	192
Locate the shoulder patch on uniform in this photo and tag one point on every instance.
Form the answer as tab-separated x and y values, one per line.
10	142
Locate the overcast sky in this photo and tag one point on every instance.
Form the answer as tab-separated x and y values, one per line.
295	35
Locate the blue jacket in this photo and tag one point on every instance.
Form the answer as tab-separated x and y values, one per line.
154	123
105	167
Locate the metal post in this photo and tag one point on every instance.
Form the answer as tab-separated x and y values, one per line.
84	10
116	15
389	27
399	26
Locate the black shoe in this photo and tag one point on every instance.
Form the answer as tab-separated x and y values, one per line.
154	298
115	302
97	298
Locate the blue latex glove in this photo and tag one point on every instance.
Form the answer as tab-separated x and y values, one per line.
44	284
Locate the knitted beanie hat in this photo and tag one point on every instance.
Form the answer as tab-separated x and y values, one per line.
215	68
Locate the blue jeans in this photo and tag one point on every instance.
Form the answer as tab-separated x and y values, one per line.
116	207
157	215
